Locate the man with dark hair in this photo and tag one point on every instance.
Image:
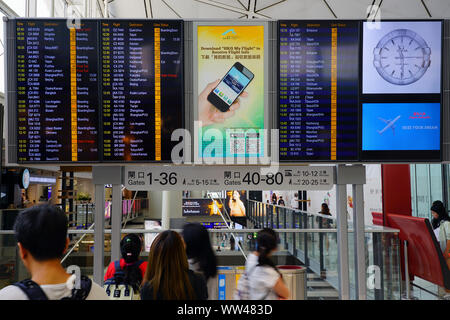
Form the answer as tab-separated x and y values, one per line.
281	201
41	234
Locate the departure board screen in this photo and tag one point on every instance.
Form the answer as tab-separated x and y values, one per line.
318	90
57	90
142	80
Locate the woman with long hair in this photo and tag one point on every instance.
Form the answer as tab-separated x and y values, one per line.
266	281
200	255
441	224
439	214
133	268
168	276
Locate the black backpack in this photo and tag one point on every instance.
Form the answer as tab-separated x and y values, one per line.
35	292
116	287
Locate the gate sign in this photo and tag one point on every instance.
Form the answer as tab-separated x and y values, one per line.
215	178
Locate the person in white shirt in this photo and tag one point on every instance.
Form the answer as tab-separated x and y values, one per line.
266	282
41	233
294	201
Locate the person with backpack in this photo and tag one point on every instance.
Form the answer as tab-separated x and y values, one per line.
168	276
127	272
41	234
262	280
201	256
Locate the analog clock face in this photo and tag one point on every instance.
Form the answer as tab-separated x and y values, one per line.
402	57
25	178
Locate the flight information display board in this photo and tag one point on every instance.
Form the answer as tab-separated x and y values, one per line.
318	90
142	80
98	91
57	90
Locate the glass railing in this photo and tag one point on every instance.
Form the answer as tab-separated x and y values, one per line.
310	238
316	246
85	212
317	249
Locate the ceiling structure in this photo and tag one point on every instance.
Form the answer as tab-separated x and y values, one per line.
279	9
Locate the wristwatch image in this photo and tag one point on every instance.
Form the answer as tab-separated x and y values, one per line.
402	57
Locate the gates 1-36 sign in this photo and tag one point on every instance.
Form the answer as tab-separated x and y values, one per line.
169	178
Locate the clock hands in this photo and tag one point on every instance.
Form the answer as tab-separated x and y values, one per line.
402	59
394	53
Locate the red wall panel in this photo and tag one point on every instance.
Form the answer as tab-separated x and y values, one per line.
396	188
425	258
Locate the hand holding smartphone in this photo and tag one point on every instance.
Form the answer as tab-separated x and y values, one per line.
230	87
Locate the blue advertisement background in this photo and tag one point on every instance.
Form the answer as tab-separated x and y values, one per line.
403	138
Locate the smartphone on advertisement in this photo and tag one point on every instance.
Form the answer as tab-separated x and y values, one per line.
230	87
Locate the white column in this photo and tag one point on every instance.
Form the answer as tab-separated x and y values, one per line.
165	210
99	233
342	242
31	8
116	221
359	241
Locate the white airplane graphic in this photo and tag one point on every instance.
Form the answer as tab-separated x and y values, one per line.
389	124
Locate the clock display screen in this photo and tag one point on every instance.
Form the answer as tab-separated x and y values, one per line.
402	57
401	96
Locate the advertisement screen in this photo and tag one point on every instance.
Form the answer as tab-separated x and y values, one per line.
201	207
231	98
236	203
318	90
402	57
401	126
214	225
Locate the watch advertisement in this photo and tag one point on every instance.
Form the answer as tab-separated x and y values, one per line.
402	57
230	105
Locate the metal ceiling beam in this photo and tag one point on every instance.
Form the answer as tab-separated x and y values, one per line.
371	8
100	5
7	10
145	7
233	9
171	8
379	7
252	8
329	8
74	6
370	11
242	4
426	8
269	6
